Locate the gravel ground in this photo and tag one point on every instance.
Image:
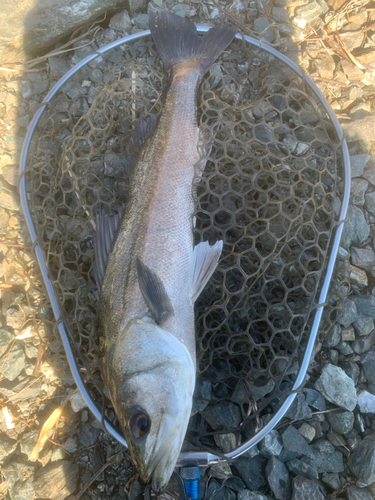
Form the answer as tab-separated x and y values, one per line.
326	448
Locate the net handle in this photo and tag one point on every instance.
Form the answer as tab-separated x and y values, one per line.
199	458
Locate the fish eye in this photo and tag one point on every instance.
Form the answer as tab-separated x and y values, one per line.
139	424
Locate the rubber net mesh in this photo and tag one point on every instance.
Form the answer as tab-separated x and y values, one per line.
270	191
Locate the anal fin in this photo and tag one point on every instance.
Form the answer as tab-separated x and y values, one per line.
154	293
202	265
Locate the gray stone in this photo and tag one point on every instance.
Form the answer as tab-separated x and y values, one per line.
28	442
33	25
135	5
142	21
370	202
226	442
355	493
251	471
262	26
363	325
365	304
351	369
7	447
278	479
356	230
295	442
14	362
88	435
315	399
348	313
299	409
332	480
15	318
280	15
341	421
348	334
368	364
363	257
135	490
121	22
58	67
366	402
57	480
326	457
301	468
362	460
362	129
235	484
77	402
337	387
307	431
358	188
70	445
358	163
5	340
19	480
306	489
223	415
364	344
271	444
325	65
259	389
307	13
250	495
358	276
221	470
333	336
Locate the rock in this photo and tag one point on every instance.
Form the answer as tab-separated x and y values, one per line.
362	460
251	471
351	369
221	470
33	25
280	15
307	432
306	489
58	67
332	480
363	257
366	402
368	364
5	340
77	402
70	445
88	435
271	444
301	468
307	13
135	490
250	495
262	26
370	202
333	336
315	399
215	490
348	313
358	276
326	457
28	441
358	163
223	415
341	421
356	229
337	387
363	325
135	5
355	493
364	344
362	129
235	484
14	362
260	388
325	65
295	442
56	480
9	200
121	22
19	480
365	304
7	447
348	334
226	442
299	409
278	479
141	20
358	189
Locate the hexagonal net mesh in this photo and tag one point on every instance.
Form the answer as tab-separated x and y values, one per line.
269	191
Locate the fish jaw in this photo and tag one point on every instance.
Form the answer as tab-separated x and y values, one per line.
155	375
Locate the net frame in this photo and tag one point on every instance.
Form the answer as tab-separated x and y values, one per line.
196	457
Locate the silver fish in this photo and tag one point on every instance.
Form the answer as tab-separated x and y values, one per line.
152	275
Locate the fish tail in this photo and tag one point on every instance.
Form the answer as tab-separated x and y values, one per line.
176	40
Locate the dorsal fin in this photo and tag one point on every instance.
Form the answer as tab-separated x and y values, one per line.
139	136
154	293
202	264
106	227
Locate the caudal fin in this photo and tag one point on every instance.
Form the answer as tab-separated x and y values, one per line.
176	40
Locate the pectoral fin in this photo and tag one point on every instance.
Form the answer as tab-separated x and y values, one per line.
154	293
203	263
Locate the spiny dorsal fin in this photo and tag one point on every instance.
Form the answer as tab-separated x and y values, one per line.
106	227
154	293
203	263
139	136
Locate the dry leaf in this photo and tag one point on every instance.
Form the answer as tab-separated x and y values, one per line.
49	424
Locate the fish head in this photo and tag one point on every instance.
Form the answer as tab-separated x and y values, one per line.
152	395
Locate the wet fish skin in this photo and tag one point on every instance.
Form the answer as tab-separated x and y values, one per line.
153	275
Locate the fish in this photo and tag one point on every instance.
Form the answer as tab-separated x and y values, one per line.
147	269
